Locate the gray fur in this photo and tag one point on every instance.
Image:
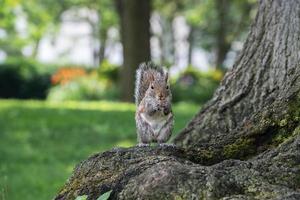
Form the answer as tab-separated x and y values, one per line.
146	135
154	117
141	73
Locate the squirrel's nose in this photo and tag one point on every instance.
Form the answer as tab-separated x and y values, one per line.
161	97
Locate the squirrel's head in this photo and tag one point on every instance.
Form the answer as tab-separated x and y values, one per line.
159	87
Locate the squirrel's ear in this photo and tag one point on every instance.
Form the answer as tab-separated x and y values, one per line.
166	77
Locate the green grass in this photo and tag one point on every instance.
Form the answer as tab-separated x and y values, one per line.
40	142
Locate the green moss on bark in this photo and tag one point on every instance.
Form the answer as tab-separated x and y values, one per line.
239	149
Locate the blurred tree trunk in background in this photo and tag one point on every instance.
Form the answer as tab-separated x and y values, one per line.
216	24
191	44
99	47
167	40
103	38
96	40
135	33
99	34
36	46
223	45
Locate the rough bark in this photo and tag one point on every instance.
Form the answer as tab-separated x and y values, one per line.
135	32
261	92
168	173
244	144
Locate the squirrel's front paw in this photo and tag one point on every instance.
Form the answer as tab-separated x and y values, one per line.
143	145
167	110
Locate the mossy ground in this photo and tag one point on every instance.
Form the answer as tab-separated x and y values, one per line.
41	142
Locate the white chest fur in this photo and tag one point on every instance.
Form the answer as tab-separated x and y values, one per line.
156	122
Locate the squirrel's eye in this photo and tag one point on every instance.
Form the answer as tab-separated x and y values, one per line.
152	87
167	87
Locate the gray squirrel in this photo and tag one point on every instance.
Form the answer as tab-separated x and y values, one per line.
154	116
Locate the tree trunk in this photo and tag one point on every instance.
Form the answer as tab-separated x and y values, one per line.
103	38
94	41
135	32
222	45
260	89
167	40
191	41
244	143
36	48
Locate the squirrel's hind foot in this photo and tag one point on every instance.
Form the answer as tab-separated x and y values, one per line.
143	145
166	145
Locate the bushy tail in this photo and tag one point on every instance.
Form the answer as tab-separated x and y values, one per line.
143	79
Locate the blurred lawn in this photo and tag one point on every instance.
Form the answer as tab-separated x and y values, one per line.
40	142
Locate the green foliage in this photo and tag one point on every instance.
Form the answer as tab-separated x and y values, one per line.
168	8
85	88
105	196
97	85
195	86
109	71
9	42
84	197
23	79
204	17
41	142
43	17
